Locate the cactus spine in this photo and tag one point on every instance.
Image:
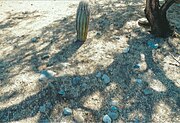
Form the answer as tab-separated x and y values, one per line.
82	20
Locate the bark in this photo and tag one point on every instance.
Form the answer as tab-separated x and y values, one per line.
156	16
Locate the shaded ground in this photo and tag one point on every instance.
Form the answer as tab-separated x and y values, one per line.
36	37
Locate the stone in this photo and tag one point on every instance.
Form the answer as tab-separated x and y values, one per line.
147	91
34	40
42	108
98	75
42	77
137	66
67	111
152	45
138	81
107	119
114	103
98	33
45	56
105	78
46	74
126	50
114	109
78	118
113	115
61	92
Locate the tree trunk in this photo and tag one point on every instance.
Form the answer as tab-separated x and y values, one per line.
156	16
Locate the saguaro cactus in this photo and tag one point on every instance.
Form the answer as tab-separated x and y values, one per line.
82	21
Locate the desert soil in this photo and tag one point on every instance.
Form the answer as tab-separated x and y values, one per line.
120	70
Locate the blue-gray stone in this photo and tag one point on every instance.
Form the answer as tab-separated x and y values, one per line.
67	111
98	75
107	119
147	91
46	75
34	40
139	81
152	45
105	78
42	77
114	109
126	50
61	92
42	108
137	66
113	115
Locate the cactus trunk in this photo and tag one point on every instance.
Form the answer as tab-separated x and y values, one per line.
82	21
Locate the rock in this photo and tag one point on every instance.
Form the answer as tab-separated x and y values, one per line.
143	22
138	81
107	119
111	27
126	50
98	75
34	40
113	115
42	108
105	78
67	111
78	118
61	92
76	81
42	77
45	56
114	103
98	33
147	92
137	66
152	45
114	109
46	74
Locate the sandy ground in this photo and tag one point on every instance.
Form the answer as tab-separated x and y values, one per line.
40	35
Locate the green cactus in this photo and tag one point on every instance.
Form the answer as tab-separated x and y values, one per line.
82	21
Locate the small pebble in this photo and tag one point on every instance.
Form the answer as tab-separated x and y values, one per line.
98	75
67	111
78	118
137	66
99	33
34	40
105	78
114	109
42	108
152	45
45	56
126	50
46	74
107	119
114	102
113	115
42	77
139	81
61	92
147	91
